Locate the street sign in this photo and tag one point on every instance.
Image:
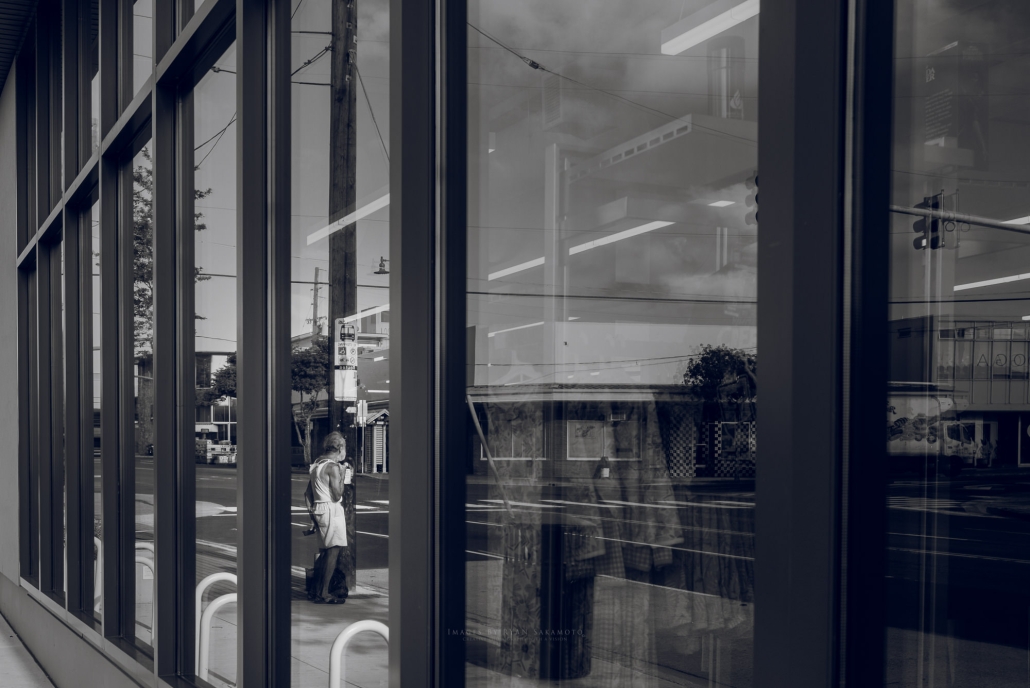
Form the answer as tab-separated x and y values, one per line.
345	362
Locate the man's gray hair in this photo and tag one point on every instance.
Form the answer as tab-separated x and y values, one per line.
334	442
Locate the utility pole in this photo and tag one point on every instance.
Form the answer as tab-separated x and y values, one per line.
343	245
315	328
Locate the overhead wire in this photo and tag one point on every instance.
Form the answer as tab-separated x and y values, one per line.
533	64
372	112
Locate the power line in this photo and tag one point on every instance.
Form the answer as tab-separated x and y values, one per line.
217	133
311	60
372	112
536	65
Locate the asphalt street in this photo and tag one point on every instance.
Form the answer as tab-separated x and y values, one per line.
958	549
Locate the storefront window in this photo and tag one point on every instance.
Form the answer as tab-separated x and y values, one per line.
140	230
213	226
612	241
958	545
340	334
94	377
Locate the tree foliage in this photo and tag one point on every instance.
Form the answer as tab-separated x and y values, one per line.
719	372
143	252
310	372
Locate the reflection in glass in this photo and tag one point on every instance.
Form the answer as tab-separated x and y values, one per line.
339	274
142	451
214	291
611	302
958	446
142	42
92	135
96	372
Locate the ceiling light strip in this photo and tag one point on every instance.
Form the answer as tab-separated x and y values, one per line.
992	282
687	33
536	262
619	236
359	214
512	329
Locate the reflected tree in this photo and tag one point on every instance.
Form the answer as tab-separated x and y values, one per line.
310	379
143	292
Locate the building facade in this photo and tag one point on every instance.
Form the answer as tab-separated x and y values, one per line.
511	252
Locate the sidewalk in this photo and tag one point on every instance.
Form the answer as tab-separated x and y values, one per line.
17	667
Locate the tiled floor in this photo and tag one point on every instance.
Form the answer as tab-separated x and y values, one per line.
18	669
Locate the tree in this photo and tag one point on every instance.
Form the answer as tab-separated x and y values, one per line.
721	373
143	291
310	379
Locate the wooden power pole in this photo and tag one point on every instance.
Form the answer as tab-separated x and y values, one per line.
343	244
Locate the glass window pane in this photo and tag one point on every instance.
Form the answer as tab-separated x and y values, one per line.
142	371
214	292
96	372
958	544
60	394
142	42
340	303
611	300
92	55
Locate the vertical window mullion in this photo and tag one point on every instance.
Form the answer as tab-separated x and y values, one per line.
257	659
185	382
28	479
280	260
42	409
57	448
167	454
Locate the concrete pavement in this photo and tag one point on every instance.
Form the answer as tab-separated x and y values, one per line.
18	668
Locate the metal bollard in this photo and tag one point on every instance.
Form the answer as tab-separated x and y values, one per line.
205	632
201	589
337	668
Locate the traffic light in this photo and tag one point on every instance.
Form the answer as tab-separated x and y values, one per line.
752	200
928	228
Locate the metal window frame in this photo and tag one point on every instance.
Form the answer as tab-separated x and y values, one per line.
800	285
870	114
413	519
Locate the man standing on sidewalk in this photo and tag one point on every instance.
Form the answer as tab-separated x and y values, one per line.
324	498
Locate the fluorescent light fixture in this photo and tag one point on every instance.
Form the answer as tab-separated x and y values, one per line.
992	282
365	314
706	23
512	329
1026	317
516	268
595	373
572	376
720	204
574	317
379	391
1018	221
359	214
379	358
618	236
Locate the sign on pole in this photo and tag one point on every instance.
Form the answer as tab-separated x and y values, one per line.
345	361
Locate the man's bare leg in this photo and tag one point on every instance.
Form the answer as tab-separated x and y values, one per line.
328	569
